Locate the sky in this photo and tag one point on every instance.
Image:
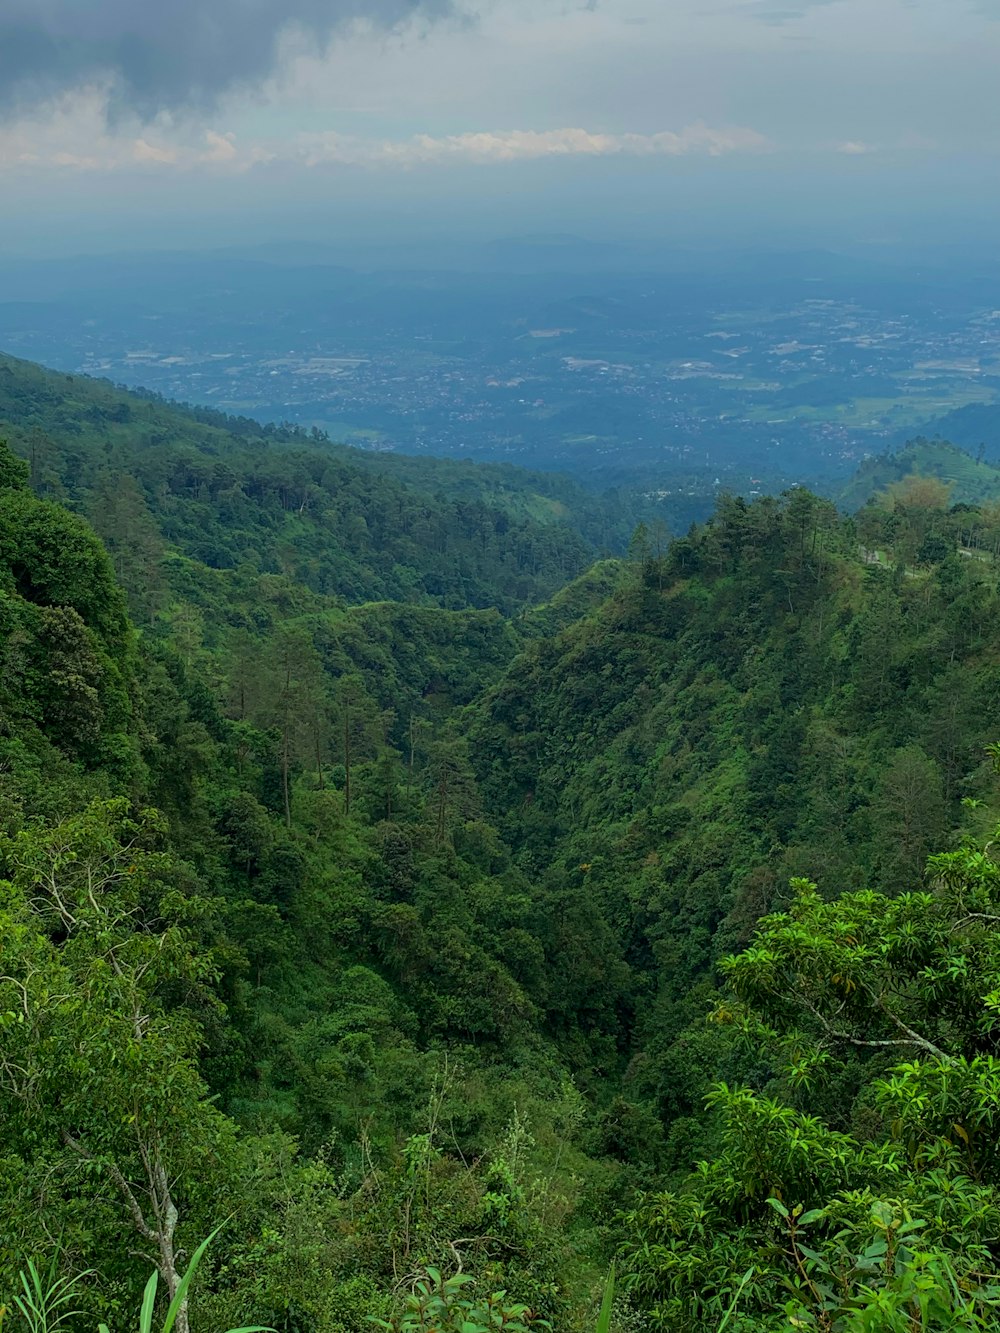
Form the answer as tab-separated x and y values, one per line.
209	122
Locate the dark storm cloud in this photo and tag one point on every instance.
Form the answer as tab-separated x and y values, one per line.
163	53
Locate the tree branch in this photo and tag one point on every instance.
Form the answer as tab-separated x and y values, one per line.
974	916
911	1039
914	1037
124	1188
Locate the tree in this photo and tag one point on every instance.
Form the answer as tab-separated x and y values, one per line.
71	686
120	513
455	794
917	492
57	560
99	985
245	825
13	470
640	547
908	816
246	675
887	1226
872	523
297	705
357	723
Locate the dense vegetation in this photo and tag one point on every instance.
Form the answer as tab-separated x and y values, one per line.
429	940
971	480
246	502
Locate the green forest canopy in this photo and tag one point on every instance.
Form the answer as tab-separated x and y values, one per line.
385	883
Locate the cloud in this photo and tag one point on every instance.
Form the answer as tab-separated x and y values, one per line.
220	147
75	134
856	148
72	133
500	146
147	152
166	54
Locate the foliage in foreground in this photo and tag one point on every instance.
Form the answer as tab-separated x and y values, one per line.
298	927
45	1306
866	1188
438	1304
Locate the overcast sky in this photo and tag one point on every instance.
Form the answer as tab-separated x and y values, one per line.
195	119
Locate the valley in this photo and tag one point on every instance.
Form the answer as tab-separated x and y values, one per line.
480	885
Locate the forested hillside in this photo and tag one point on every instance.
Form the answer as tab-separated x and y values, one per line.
443	914
970	480
247	501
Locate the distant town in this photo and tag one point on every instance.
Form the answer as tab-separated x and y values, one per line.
638	381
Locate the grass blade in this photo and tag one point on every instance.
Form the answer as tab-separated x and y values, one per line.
739	1292
180	1295
604	1321
148	1301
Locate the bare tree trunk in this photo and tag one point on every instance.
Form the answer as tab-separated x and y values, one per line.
165	1211
160	1232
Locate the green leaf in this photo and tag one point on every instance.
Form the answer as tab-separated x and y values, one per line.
604	1321
180	1295
148	1301
735	1301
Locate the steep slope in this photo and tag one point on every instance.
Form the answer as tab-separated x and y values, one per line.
410	964
157	479
757	705
313	938
308	629
975	427
68	660
972	481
